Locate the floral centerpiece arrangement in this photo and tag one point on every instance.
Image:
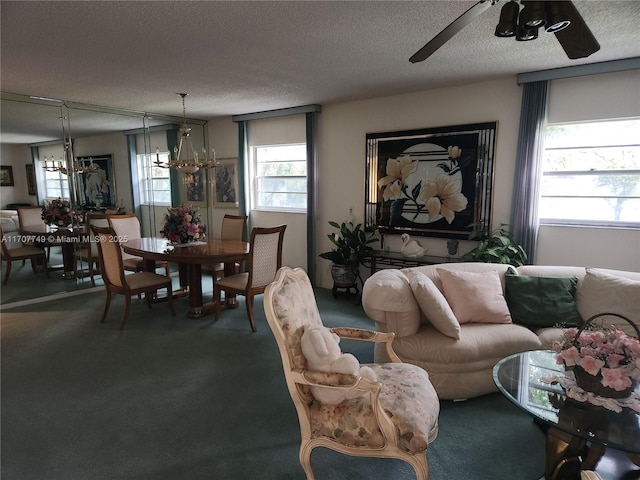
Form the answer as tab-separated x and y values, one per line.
183	224
604	361
58	212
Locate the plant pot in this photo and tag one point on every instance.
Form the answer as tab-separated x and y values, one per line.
593	384
344	276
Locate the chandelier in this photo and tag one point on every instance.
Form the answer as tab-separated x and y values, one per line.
62	165
67	163
191	163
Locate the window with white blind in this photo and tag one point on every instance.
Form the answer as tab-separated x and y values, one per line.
280	177
591	174
154	181
56	185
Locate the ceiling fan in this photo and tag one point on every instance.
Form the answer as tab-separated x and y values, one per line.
558	17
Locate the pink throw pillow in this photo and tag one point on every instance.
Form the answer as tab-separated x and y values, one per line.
475	297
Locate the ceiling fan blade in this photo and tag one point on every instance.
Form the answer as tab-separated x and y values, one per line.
454	27
576	40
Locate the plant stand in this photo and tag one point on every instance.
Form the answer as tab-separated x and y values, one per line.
347	290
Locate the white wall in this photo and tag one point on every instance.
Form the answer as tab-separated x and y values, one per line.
342	130
16	156
342	149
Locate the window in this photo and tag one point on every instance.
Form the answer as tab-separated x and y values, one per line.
591	174
280	177
56	185
155	184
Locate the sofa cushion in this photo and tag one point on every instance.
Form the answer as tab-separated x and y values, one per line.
602	292
433	304
480	346
475	297
542	301
388	300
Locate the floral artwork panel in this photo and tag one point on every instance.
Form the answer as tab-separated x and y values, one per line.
430	182
226	184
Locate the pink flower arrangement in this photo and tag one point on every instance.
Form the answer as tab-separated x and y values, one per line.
59	213
609	352
183	224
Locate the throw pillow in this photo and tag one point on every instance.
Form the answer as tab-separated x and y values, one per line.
602	292
475	296
542	301
433	304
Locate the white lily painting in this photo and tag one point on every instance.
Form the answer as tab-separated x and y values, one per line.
424	184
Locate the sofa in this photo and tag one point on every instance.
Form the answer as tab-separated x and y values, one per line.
457	320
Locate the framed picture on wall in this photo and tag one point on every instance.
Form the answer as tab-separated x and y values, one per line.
194	188
6	176
226	183
32	188
97	185
430	182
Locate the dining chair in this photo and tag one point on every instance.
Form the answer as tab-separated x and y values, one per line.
265	258
115	280
23	253
397	415
28	216
127	227
89	252
234	227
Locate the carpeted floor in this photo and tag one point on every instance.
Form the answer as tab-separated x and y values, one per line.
180	398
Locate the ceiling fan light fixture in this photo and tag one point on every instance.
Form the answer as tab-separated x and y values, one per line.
524	34
557	19
508	20
533	14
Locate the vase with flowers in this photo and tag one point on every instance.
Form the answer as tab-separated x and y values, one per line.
605	361
182	224
59	213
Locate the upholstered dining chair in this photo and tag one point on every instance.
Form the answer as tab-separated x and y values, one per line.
265	258
24	252
396	418
89	253
28	216
128	227
115	280
234	227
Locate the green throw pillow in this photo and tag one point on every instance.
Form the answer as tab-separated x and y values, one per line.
542	301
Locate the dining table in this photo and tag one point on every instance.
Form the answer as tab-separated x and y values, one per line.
190	257
67	237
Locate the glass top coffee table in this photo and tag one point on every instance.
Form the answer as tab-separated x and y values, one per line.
578	432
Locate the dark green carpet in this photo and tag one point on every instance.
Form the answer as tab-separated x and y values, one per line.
178	398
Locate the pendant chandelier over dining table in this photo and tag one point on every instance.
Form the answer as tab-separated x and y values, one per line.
192	161
67	163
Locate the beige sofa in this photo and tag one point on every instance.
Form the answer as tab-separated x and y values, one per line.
403	302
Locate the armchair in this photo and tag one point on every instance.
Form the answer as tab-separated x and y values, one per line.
396	418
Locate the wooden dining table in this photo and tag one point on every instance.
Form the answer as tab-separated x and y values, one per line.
190	258
66	237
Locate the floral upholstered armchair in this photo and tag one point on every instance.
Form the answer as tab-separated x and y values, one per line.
396	418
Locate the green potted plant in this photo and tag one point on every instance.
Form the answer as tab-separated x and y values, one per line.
495	247
352	246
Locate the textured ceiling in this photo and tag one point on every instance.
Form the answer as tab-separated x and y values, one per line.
236	57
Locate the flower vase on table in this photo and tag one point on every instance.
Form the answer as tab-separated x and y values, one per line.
604	361
58	213
183	225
